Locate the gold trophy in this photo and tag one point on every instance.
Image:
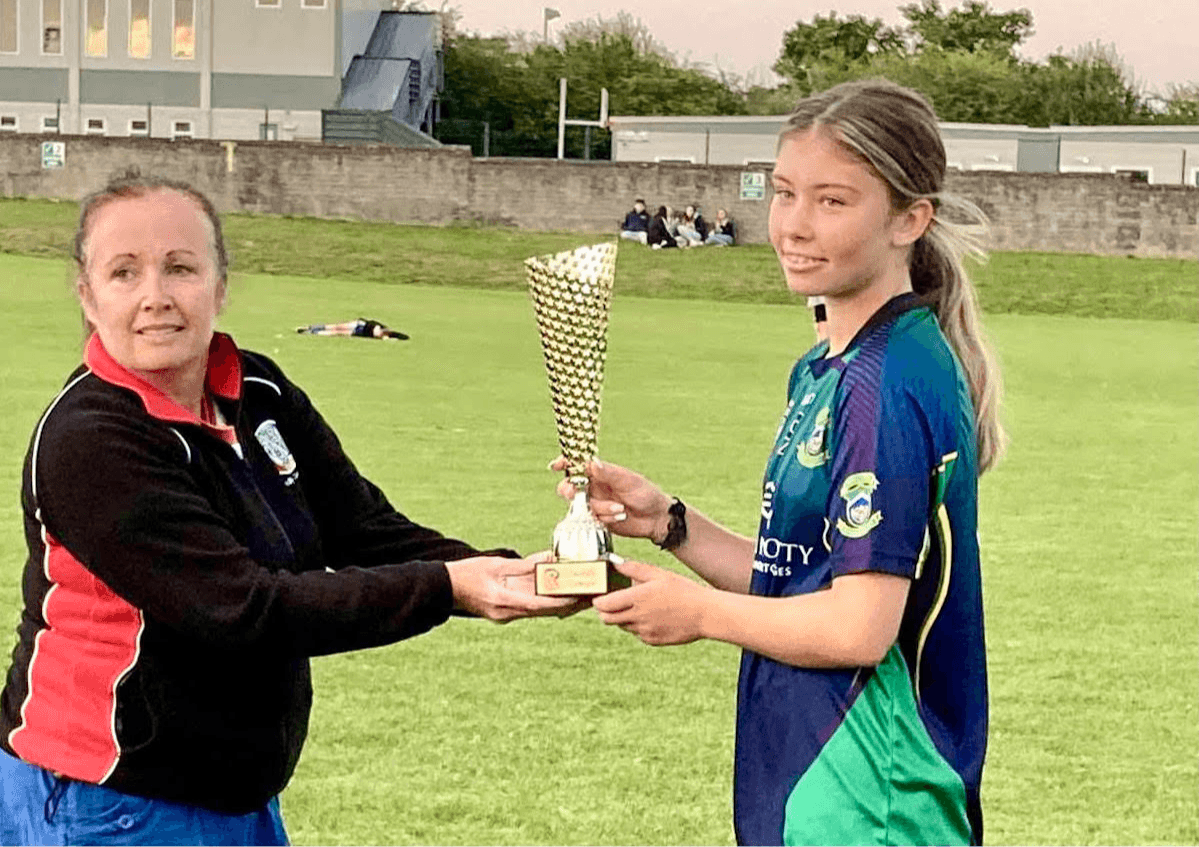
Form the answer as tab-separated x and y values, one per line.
572	294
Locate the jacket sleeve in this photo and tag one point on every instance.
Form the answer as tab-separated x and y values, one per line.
116	494
359	526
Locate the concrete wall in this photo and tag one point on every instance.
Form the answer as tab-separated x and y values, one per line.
1088	213
286	39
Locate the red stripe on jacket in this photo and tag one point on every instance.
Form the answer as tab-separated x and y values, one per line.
91	641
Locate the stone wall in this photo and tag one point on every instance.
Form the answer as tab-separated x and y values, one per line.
1083	213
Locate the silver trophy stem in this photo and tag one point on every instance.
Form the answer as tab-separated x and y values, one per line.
579	537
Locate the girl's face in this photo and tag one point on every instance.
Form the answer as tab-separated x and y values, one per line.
831	222
149	285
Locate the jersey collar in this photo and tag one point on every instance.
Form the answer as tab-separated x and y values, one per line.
888	312
223	379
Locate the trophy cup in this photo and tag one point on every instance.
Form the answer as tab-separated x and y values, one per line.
572	293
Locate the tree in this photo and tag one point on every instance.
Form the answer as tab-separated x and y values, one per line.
623	24
1182	104
964	61
829	45
1092	87
972	29
516	92
963	87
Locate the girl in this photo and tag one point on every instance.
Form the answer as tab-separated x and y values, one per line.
862	700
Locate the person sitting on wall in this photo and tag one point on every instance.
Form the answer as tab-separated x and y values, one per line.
723	231
692	227
659	235
361	328
636	223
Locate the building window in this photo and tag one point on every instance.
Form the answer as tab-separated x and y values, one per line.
268	4
1195	177
96	37
50	123
1142	175
183	31
181	129
8	123
139	29
95	126
313	4
8	26
52	27
139	128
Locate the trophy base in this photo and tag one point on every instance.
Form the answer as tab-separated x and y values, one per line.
577	579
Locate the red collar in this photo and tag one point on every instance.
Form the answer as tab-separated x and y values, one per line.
223	379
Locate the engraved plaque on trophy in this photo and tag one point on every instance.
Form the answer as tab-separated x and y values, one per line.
572	294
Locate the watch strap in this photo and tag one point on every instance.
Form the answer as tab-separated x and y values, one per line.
676	527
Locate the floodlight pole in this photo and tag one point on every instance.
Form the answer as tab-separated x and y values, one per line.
602	123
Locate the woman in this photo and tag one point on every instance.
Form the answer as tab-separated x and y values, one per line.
195	534
660	235
360	328
862	702
722	231
692	228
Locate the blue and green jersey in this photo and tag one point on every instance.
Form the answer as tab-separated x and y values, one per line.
873	469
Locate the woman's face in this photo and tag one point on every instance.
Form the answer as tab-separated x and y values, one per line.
831	222
149	283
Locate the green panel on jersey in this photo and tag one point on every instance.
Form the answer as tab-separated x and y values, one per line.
879	779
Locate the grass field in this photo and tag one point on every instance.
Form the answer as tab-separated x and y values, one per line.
491	258
567	732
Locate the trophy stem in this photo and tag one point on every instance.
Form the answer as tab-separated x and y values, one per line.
582	565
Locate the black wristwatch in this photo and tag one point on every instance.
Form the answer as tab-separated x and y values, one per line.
676	527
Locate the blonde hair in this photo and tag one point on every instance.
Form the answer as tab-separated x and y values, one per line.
894	130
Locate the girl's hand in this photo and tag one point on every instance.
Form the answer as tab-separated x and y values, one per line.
660	608
623	500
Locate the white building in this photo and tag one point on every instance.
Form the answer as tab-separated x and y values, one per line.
230	69
1155	154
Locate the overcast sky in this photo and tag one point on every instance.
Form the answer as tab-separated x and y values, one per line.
1159	39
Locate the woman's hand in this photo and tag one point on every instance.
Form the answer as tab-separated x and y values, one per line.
660	608
502	589
623	500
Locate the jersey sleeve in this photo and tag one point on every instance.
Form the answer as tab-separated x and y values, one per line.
882	457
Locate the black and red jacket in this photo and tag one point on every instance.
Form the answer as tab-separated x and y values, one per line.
181	574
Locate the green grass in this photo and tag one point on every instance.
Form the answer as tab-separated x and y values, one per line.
491	258
567	732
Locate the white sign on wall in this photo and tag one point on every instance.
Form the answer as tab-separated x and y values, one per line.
753	185
54	154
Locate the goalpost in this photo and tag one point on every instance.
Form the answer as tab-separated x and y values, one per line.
602	123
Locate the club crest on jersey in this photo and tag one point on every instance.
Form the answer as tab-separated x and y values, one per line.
860	516
813	451
276	448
